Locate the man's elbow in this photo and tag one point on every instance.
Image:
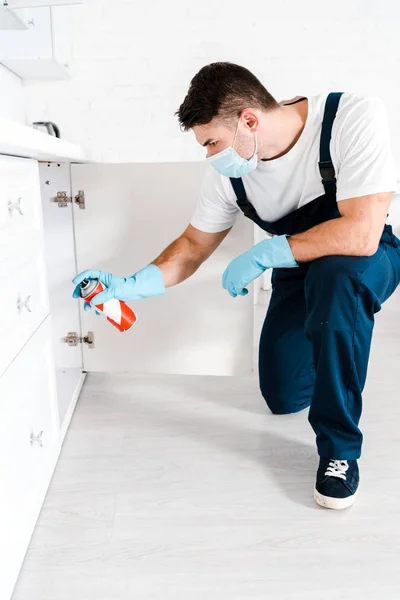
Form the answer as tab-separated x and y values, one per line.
366	241
371	250
370	245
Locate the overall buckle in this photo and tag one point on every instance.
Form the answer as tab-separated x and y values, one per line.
327	170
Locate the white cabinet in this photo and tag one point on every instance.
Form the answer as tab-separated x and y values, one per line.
24	299
20	207
29	443
61	268
24	303
43	50
40	376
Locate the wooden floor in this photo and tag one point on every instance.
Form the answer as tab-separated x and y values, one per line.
187	488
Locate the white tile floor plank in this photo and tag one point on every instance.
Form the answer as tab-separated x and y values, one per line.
186	488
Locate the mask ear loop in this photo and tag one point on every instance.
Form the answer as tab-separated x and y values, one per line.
237	128
256	150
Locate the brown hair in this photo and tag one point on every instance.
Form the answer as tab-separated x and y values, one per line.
223	90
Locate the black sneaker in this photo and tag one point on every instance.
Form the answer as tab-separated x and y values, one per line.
337	483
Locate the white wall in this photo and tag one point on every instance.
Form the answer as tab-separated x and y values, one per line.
12	101
133	61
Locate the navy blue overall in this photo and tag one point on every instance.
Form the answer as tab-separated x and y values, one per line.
315	342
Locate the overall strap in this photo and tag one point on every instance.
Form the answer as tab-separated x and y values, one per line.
325	164
241	198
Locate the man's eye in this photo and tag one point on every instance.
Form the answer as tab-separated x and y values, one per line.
212	143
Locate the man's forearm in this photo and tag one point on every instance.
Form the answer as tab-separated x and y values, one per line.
178	261
339	236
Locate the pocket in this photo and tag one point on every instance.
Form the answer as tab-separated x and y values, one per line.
382	276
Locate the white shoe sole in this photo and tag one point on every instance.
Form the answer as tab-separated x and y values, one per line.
334	503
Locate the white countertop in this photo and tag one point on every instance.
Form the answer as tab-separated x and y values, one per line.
23	140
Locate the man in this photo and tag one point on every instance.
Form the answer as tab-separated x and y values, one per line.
318	174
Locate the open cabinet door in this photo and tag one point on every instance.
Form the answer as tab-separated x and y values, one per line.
60	263
132	212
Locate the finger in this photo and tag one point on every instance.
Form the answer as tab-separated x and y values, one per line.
86	306
88	274
232	289
243	292
77	292
97	312
107	294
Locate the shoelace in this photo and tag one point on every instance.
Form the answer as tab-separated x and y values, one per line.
337	468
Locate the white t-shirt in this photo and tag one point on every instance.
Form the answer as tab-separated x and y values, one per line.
360	151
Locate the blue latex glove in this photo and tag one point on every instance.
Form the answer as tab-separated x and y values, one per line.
147	282
274	252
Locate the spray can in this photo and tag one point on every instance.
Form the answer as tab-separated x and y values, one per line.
118	313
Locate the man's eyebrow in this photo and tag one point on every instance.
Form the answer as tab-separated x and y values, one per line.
207	142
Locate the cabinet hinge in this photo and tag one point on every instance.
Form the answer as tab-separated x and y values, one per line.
80	199
63	199
73	339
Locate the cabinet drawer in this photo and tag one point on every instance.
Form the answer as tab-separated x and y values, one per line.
20	206
27	456
24	303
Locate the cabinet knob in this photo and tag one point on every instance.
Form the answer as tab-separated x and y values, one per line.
15	206
37	438
24	304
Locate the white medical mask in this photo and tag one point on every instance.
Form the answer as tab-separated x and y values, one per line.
229	163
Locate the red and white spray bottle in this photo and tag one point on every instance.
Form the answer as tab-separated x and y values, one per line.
118	313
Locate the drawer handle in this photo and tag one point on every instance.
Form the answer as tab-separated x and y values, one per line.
15	206
24	304
37	438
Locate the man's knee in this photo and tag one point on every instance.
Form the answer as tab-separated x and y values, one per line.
335	271
281	403
331	289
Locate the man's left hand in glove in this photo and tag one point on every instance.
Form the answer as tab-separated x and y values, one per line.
274	252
